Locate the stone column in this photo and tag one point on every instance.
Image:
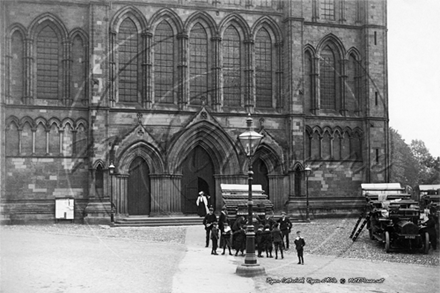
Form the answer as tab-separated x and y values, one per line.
121	194
112	68
29	78
315	10
66	66
316	93
216	103
147	71
182	69
277	195
175	185
342	11
343	80
8	61
249	98
280	103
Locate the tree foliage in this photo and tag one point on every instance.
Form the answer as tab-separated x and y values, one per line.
404	167
412	164
429	172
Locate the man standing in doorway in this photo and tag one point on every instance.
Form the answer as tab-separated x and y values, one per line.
202	204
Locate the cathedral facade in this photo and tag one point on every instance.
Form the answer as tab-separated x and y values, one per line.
132	107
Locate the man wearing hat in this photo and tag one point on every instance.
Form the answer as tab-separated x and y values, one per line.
223	219
208	221
202	204
285	227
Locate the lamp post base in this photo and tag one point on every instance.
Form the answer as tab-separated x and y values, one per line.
247	270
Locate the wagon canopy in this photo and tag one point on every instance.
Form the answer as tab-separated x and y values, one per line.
235	199
383	191
429	187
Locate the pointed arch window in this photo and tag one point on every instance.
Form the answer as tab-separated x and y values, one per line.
198	67
79	69
16	68
54	140
80	147
232	76
328	79
354	84
12	140
40	140
128	41
164	60
326	151
308	80
315	146
337	148
67	141
48	75
26	140
263	69
99	181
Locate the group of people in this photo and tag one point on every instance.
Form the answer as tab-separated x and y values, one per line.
271	235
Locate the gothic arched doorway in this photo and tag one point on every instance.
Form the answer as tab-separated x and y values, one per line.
260	175
139	197
198	175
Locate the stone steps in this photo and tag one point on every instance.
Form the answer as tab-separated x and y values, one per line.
157	221
169	221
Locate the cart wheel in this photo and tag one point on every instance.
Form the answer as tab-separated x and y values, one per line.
426	250
387	241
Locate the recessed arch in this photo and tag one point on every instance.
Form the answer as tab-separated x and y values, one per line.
270	25
43	20
334	42
140	149
205	20
237	21
129	12
170	16
214	140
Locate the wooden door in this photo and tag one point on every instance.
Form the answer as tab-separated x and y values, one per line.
260	175
139	196
198	175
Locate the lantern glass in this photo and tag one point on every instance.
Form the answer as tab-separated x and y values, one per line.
111	168
250	140
308	171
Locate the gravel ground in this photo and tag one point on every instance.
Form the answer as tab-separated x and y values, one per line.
331	237
323	237
154	234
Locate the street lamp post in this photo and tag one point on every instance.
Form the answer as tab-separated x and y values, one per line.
307	171
250	268
111	169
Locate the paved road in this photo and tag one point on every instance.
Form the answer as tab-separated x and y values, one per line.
51	262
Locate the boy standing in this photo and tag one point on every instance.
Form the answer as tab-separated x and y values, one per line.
277	240
300	243
225	240
209	219
214	238
266	238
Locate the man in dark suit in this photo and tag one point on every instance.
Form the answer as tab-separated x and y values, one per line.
223	219
209	219
285	227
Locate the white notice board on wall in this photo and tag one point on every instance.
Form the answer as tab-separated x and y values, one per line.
64	208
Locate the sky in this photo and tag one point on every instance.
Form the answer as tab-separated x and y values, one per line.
414	70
